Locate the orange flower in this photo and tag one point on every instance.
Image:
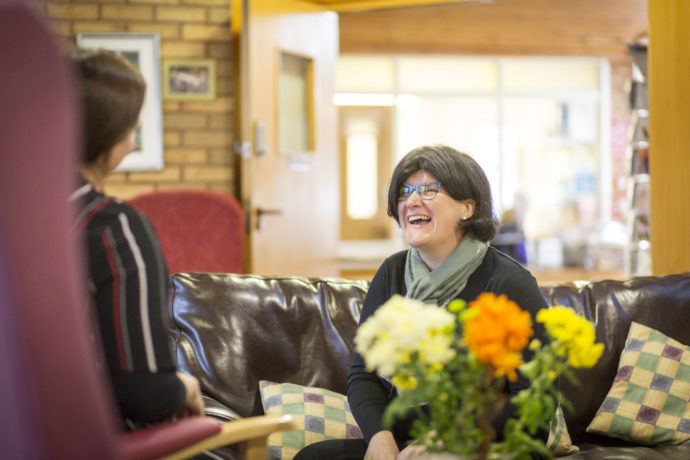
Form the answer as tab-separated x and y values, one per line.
507	363
498	332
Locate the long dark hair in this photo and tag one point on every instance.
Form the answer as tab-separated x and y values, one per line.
111	94
459	174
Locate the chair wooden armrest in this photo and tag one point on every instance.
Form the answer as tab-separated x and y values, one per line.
251	433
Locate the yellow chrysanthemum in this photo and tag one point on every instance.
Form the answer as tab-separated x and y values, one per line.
584	354
574	334
498	332
404	383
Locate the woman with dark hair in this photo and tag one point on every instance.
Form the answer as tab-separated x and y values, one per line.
127	275
441	199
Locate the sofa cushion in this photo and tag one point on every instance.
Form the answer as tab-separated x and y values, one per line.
320	414
649	401
661	302
559	439
232	330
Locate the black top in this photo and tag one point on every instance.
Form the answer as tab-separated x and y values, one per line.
128	279
368	395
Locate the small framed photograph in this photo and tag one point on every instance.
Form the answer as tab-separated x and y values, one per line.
143	51
189	79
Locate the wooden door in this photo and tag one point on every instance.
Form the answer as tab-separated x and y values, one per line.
287	51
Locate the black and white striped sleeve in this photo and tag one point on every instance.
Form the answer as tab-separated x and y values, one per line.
129	282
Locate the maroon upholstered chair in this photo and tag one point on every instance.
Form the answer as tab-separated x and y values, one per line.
199	230
54	397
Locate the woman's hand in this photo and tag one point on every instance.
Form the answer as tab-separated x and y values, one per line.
382	446
414	452
194	404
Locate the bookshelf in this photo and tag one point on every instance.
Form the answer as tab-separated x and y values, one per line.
638	258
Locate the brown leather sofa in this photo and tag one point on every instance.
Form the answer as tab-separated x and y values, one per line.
231	331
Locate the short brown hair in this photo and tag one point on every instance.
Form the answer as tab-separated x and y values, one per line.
111	93
459	174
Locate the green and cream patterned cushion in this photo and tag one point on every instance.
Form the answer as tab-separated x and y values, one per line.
649	401
323	414
559	438
319	413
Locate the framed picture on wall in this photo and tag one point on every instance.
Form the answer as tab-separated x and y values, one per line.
189	79
143	51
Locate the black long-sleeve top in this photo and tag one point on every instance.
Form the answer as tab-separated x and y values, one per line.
127	279
368	395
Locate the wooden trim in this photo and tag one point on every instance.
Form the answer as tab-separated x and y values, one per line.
252	432
669	136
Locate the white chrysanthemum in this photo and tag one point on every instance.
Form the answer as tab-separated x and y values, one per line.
401	327
436	349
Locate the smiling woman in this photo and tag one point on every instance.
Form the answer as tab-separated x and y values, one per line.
462	203
441	200
433	223
429	220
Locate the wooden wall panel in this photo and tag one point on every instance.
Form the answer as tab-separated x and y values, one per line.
669	136
505	27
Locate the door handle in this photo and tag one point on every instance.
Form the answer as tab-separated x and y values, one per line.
261	212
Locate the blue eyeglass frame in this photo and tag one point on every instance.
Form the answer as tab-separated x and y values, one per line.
415	188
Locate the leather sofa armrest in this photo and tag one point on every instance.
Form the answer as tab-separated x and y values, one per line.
219	411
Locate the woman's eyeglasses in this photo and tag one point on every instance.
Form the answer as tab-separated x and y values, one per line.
426	190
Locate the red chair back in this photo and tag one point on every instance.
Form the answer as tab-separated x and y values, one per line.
199	230
53	397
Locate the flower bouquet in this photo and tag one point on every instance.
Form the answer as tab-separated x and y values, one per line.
450	366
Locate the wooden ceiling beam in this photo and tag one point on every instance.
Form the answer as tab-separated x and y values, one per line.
508	27
367	5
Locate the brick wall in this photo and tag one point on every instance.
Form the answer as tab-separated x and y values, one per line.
197	136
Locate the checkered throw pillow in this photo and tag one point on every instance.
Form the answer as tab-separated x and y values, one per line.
649	401
559	438
320	414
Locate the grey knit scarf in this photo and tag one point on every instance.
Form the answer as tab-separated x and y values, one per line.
448	280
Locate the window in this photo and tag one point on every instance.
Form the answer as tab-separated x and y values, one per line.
538	126
295	110
365	160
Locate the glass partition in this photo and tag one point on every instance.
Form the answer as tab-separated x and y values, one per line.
537	125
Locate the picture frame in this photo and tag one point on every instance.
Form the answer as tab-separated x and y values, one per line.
189	79
142	50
